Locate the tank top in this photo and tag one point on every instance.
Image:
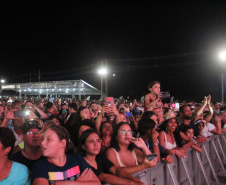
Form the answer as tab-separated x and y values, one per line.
169	145
150	100
119	161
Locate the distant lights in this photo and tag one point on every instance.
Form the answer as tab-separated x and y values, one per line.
73	89
113	75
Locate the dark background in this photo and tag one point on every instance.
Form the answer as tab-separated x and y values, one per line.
173	42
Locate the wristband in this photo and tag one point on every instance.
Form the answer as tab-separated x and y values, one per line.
155	144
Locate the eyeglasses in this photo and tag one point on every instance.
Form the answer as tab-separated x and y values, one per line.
30	133
124	132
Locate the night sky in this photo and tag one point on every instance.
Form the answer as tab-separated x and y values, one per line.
175	43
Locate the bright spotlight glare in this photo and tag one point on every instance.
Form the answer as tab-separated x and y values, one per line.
222	56
2	81
102	71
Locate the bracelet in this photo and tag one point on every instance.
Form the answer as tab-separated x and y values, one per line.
155	144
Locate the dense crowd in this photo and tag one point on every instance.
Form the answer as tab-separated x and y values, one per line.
67	141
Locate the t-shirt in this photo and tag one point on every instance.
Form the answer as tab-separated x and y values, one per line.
74	166
207	129
19	157
19	175
196	131
150	100
103	165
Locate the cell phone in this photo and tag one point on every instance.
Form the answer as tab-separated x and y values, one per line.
110	101
151	156
21	114
128	114
177	106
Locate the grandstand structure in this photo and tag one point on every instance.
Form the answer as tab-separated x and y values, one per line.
53	88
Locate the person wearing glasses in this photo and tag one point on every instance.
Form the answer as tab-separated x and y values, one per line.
124	153
32	137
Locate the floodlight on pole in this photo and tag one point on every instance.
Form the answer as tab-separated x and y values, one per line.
222	58
2	81
102	71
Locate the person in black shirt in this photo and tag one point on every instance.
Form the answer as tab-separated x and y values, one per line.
101	166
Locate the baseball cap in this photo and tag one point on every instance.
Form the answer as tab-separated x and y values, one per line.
29	125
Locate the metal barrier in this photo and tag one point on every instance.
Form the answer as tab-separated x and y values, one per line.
195	169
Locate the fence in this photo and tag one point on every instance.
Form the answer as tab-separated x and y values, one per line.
195	169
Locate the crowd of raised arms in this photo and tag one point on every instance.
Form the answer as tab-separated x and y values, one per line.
92	142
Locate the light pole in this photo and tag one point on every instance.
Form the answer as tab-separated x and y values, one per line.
222	57
2	82
102	73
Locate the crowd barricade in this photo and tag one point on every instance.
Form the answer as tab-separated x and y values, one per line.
195	169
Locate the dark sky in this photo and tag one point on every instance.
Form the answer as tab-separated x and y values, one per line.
173	42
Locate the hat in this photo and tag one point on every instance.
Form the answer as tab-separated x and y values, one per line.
169	115
62	104
135	112
29	125
200	121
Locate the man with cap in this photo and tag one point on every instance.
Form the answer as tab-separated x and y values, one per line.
31	135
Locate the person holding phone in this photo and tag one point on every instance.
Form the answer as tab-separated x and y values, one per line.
124	154
152	100
101	166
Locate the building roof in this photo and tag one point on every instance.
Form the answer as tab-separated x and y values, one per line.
67	87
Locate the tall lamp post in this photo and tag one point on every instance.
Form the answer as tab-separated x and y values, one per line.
2	82
102	72
222	57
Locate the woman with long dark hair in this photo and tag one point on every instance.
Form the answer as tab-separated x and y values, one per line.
101	166
123	153
169	136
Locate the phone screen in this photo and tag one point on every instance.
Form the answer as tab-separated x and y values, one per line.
152	156
110	101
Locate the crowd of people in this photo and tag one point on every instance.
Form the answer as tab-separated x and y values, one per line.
92	142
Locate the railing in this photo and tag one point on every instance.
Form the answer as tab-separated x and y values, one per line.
195	169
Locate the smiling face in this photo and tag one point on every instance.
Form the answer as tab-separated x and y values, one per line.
187	114
93	144
51	144
171	125
124	135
